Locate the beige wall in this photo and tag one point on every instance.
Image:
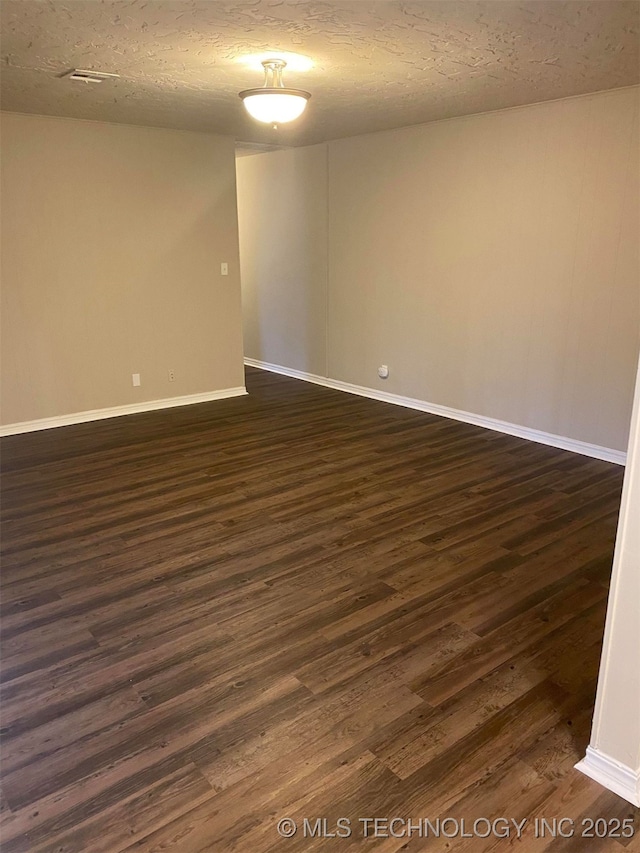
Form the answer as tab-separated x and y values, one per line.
112	239
283	250
490	261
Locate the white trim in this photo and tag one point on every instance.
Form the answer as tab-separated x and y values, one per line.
118	411
613	775
594	450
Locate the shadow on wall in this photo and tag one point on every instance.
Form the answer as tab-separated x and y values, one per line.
282	215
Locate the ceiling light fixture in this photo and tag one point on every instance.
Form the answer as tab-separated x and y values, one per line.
273	103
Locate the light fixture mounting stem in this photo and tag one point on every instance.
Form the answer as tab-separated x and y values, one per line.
273	69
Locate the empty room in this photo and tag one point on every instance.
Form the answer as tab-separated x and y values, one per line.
320	426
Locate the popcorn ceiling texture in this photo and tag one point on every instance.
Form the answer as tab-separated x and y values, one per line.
378	65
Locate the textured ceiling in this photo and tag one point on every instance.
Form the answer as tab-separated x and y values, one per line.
377	65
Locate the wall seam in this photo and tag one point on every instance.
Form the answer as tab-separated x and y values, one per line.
327	267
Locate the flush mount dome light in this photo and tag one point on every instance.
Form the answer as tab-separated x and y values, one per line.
272	103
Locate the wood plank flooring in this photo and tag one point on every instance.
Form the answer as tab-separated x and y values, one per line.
303	604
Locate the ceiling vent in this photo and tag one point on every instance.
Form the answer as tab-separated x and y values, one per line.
89	76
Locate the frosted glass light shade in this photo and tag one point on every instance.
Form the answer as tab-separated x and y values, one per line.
275	106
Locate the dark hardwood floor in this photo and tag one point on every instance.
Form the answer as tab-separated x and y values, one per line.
303	604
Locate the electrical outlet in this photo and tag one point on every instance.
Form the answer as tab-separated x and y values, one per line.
135	377
172	376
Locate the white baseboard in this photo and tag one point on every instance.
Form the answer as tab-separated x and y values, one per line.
613	775
118	411
594	450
